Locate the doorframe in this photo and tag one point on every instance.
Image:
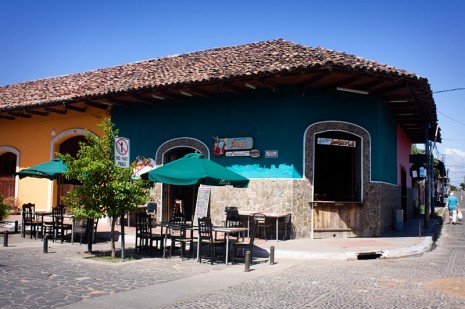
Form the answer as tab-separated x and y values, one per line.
179	142
15	151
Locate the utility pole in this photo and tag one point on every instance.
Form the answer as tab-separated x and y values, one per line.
427	180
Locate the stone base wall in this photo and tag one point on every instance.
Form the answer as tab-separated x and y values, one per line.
379	208
293	196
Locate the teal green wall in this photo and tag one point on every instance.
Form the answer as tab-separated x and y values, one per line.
276	121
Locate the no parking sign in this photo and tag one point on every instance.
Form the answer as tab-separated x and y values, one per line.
122	151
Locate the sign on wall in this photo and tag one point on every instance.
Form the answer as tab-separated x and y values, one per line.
225	144
201	206
122	151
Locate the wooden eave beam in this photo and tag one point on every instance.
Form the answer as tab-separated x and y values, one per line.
7	117
195	92
20	114
309	82
96	105
143	99
388	89
229	89
344	82
372	84
36	112
75	108
116	101
161	96
55	110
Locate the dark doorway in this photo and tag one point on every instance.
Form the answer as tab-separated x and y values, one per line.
179	198
7	174
71	147
337	167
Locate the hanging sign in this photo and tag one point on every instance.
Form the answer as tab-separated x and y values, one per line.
336	142
122	151
224	144
201	206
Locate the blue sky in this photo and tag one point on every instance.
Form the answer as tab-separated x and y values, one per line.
48	38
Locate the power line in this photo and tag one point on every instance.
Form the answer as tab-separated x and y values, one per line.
451	118
449	90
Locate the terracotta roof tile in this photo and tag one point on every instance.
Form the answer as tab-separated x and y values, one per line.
204	66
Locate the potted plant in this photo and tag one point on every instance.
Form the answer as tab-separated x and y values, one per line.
4	208
8	206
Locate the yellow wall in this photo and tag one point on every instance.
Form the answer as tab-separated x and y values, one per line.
34	141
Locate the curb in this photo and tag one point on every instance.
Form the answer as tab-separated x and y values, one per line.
424	246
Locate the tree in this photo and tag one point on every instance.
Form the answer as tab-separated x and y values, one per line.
462	186
106	188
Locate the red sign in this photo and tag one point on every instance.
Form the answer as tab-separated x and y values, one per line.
222	145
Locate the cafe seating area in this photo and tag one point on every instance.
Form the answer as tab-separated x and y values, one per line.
56	224
177	238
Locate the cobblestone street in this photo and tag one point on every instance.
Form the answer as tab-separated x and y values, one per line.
66	277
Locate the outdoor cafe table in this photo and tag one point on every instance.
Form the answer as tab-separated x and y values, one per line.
43	214
277	216
248	214
165	226
227	231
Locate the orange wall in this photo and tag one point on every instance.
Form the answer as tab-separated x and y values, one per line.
33	139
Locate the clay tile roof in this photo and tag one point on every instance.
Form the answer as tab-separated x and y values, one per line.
219	64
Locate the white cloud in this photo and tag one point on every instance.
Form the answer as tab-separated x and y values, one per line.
454	161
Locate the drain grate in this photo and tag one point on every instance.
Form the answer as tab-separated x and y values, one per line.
368	255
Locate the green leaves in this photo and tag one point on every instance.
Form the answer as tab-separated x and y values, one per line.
106	188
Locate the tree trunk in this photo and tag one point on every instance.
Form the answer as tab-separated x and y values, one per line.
112	235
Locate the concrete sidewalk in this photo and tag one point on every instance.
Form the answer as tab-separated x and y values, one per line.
413	239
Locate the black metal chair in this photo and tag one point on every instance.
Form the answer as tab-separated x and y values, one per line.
152	210
29	220
177	234
206	239
80	228
144	236
245	246
233	220
262	224
60	228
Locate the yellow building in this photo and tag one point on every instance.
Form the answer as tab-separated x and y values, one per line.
34	136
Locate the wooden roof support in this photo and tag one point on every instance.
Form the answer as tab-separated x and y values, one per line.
74	108
55	110
96	104
36	112
7	117
312	80
19	114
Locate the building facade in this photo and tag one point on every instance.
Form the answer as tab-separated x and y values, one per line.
322	135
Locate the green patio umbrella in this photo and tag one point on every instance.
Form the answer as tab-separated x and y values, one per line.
53	169
193	169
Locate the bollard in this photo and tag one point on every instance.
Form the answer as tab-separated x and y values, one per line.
247	261
5	239
45	247
16	227
271	255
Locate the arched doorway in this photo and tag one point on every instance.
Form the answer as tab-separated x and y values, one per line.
337	175
169	151
180	199
337	164
69	146
7	174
